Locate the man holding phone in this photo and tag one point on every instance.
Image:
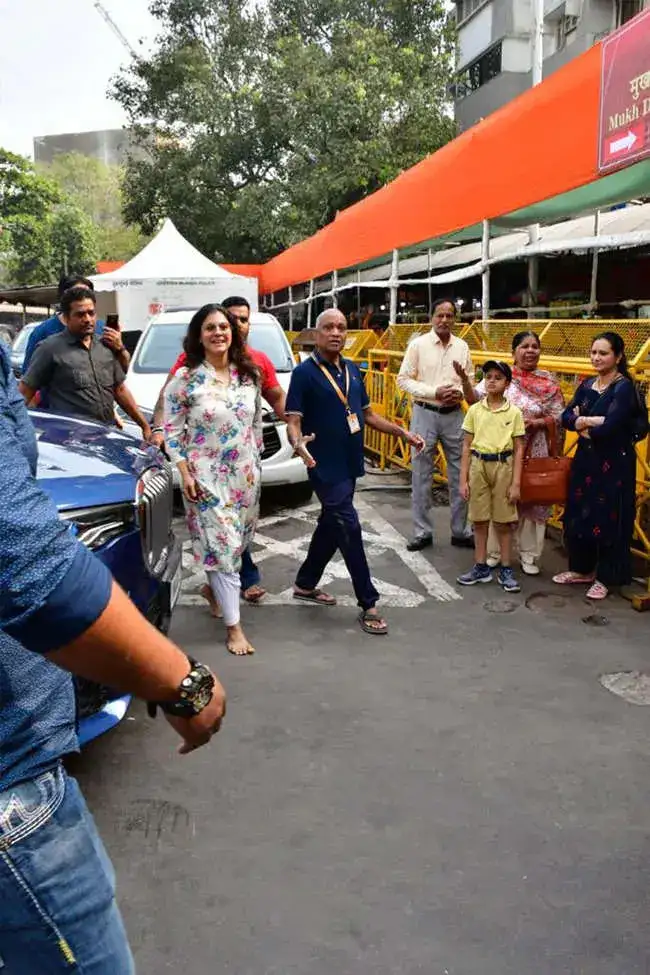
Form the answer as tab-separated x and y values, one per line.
77	372
109	333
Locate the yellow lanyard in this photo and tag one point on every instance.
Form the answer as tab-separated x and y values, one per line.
335	386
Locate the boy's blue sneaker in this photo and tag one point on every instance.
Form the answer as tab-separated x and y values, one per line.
478	573
507	581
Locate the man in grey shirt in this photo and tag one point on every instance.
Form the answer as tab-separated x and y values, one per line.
80	375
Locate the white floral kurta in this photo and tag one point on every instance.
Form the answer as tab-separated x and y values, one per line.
217	430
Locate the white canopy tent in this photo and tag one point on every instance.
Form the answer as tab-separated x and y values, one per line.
168	273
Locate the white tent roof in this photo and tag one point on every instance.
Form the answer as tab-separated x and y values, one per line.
168	257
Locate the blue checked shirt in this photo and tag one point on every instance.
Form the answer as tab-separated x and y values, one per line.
51	590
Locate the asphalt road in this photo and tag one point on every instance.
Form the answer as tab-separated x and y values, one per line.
462	797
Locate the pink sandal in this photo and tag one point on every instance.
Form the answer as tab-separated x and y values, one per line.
572	579
597	591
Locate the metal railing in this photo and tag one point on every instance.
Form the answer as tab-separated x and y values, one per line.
565	345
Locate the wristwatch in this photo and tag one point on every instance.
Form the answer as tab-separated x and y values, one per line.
194	692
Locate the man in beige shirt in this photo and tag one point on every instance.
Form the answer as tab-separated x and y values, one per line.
438	373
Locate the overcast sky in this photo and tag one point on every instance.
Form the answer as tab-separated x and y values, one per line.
56	61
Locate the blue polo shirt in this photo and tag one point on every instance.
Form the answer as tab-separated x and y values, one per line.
337	452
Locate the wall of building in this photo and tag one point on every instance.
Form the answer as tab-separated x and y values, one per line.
510	22
486	99
109	145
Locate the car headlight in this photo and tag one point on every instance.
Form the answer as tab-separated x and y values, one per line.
98	526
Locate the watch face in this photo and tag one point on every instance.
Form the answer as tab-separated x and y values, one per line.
197	687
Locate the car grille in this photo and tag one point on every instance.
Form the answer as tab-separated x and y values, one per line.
155	498
271	440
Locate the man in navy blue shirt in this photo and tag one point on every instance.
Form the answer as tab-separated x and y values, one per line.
327	408
111	337
57	894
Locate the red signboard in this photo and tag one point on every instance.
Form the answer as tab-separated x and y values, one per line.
625	95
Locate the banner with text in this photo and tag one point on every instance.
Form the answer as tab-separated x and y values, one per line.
625	95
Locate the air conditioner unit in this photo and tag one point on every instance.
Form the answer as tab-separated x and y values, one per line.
573	8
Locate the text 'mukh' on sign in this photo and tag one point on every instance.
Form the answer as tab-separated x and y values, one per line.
624	136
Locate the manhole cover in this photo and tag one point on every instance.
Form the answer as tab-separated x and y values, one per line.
501	606
558	604
631	685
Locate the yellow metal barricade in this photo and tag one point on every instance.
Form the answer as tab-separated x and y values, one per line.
357	344
565	345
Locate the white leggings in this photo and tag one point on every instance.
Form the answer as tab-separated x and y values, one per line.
225	588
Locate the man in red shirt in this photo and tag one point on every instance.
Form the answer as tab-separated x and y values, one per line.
274	395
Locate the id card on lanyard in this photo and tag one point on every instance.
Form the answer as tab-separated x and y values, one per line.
351	417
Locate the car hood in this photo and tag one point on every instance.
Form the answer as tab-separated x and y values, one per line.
81	464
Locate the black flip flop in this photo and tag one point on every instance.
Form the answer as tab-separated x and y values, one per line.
365	616
312	597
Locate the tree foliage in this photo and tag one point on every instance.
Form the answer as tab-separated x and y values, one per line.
261	121
42	231
95	188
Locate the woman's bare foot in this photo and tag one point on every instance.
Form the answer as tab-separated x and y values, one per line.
237	643
208	595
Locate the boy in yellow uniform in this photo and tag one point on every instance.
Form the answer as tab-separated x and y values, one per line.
490	473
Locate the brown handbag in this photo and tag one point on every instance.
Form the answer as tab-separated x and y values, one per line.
545	480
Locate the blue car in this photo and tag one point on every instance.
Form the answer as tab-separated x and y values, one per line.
117	495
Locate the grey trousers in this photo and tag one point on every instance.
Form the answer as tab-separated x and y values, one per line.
447	428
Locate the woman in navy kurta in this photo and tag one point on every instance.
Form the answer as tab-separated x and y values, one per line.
599	514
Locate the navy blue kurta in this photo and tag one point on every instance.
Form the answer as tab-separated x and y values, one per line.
599	515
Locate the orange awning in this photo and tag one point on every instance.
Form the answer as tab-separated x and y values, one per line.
542	144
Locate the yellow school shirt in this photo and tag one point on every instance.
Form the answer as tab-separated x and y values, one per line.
493	431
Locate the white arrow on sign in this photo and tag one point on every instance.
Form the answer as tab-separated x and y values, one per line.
624	144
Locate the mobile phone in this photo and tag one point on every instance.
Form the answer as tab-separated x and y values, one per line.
113	321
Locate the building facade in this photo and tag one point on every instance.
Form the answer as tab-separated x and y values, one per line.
495	45
110	145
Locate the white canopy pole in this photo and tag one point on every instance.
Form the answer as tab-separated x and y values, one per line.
335	287
485	276
594	265
309	302
537	57
394	284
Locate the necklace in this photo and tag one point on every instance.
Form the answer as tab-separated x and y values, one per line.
600	386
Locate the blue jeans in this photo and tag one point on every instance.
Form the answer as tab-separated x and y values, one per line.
249	574
338	528
57	888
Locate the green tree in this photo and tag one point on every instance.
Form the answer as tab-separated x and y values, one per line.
260	122
43	231
96	189
27	250
23	192
73	239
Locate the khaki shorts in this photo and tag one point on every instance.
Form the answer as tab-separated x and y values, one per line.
489	481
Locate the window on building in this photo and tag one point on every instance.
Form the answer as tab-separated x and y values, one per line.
478	73
465	8
628	9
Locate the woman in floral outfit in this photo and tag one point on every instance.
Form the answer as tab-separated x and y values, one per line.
213	433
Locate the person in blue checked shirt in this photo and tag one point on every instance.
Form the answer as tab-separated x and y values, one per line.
327	409
60	611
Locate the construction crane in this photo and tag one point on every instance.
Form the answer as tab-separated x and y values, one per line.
113	26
